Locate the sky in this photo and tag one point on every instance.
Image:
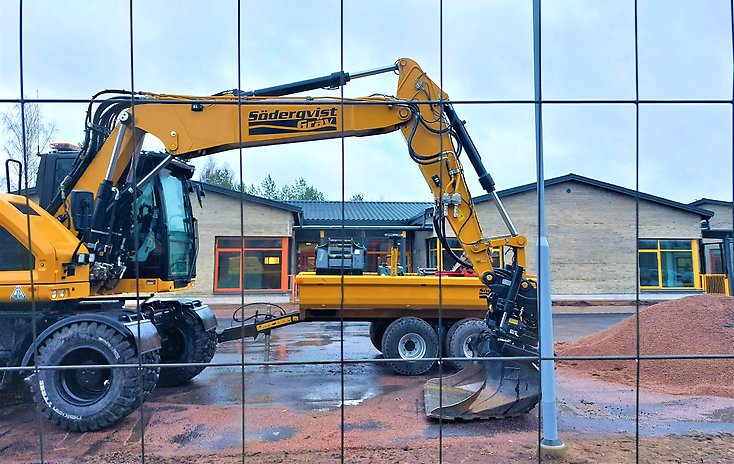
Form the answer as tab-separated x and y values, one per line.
477	50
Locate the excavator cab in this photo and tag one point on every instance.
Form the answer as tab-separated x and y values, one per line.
166	227
164	224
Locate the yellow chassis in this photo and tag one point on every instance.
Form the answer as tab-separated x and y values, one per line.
367	297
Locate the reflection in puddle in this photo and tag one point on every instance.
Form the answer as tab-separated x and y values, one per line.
277	433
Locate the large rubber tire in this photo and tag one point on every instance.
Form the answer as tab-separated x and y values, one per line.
150	374
185	341
377	331
82	400
458	340
410	338
452	328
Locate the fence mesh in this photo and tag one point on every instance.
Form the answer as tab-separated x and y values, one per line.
318	392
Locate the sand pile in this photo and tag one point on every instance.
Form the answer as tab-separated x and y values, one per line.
696	325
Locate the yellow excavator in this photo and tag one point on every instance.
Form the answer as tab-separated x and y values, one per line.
113	220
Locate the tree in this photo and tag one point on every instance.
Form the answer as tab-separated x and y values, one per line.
301	190
38	134
357	197
223	176
252	190
268	189
214	175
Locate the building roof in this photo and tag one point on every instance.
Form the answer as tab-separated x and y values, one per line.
691	208
252	198
709	201
363	213
357	213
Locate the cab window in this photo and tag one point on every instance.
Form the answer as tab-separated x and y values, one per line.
13	254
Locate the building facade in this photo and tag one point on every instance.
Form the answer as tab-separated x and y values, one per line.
593	231
717	245
229	263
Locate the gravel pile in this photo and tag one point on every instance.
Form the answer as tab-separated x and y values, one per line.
696	325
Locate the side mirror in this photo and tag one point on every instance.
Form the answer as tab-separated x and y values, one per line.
82	210
8	162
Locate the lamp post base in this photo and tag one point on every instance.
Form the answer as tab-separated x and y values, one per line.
554	449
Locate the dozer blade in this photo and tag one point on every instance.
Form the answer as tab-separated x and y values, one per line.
483	390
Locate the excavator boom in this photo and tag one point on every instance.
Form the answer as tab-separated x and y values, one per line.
190	126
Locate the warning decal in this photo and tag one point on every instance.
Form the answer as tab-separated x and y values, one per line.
18	294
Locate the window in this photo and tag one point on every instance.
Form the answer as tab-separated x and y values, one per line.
446	262
378	252
716	261
182	252
668	264
306	257
250	264
13	254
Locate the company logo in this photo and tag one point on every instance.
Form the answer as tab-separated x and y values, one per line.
264	122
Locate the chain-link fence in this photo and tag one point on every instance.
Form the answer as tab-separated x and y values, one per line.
327	331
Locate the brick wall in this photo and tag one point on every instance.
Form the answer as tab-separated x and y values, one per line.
722	215
220	217
591	232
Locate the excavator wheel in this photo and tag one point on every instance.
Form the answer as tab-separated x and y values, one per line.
458	337
411	339
184	341
150	374
81	400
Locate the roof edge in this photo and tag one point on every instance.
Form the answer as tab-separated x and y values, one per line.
702	201
605	185
255	199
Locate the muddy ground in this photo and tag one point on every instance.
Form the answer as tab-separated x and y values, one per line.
294	413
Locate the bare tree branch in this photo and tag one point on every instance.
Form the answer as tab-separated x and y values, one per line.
38	135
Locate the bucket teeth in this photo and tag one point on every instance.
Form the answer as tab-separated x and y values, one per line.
483	390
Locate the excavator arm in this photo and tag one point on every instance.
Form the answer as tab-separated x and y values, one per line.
190	126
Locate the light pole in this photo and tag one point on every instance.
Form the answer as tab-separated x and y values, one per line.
550	444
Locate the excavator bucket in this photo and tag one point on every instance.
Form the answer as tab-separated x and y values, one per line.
484	390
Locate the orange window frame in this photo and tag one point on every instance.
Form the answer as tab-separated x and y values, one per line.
241	250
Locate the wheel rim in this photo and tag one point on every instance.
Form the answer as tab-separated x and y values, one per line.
174	348
85	386
412	346
466	347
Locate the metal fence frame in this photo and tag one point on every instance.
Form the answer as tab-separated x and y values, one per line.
539	101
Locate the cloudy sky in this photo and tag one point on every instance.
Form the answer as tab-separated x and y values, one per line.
478	50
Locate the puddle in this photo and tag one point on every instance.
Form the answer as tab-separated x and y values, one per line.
276	434
320	341
368	425
327	397
722	415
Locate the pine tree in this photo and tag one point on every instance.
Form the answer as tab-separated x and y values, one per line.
214	175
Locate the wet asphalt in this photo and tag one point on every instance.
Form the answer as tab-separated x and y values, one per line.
308	387
313	380
320	342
